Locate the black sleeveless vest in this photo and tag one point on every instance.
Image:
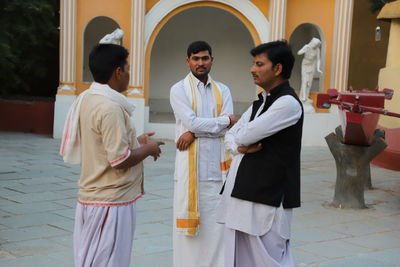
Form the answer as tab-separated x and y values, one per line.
272	175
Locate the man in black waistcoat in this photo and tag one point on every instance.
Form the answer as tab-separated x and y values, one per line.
263	184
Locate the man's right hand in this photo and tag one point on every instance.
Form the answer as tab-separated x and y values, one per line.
185	140
147	148
232	120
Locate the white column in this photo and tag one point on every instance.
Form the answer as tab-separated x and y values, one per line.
66	89
135	92
137	49
67	45
341	44
277	15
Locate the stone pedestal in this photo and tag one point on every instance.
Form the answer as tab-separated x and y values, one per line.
353	168
308	107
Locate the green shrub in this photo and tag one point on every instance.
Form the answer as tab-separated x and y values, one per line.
29	47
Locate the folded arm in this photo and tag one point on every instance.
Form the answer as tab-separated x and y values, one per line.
283	113
198	125
229	140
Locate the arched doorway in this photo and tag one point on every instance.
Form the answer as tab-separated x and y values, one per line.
231	42
96	29
302	35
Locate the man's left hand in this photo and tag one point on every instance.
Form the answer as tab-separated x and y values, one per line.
143	139
185	140
250	149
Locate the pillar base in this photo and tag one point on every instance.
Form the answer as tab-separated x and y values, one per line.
61	107
138	114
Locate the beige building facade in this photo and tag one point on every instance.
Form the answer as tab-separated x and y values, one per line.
157	33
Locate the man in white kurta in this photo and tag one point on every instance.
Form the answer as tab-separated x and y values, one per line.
203	111
257	234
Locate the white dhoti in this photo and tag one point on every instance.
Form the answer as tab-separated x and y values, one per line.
269	250
256	235
103	235
206	249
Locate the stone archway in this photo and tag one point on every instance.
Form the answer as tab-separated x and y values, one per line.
96	29
231	42
254	17
301	36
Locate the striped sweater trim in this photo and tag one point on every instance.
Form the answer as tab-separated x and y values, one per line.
121	159
108	204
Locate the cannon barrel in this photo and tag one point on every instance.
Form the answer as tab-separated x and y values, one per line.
358	101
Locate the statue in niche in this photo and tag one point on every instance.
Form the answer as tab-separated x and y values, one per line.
113	38
311	63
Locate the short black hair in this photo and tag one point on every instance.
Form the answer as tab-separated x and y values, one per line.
197	47
277	52
104	59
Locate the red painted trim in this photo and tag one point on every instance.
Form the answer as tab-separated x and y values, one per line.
121	159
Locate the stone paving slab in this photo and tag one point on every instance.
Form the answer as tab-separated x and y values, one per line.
5	202
38	188
31	232
38	199
26	220
32	247
65	240
40	180
27	208
304	258
334	249
315	235
153	244
376	241
156	259
34	197
358	261
37	261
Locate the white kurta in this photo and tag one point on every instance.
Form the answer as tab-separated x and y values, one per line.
204	126
205	249
255	219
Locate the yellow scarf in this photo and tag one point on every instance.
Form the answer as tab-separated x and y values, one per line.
189	221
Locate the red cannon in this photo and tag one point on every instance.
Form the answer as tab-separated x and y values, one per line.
359	112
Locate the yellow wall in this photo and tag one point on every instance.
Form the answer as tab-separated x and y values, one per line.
389	77
120	11
263	6
150	4
320	13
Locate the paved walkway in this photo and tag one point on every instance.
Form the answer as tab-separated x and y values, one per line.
37	200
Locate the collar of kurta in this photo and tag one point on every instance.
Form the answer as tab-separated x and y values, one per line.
197	81
273	91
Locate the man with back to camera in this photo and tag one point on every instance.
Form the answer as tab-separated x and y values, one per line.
263	184
203	111
100	135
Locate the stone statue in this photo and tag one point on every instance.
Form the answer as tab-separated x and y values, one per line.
113	38
311	63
